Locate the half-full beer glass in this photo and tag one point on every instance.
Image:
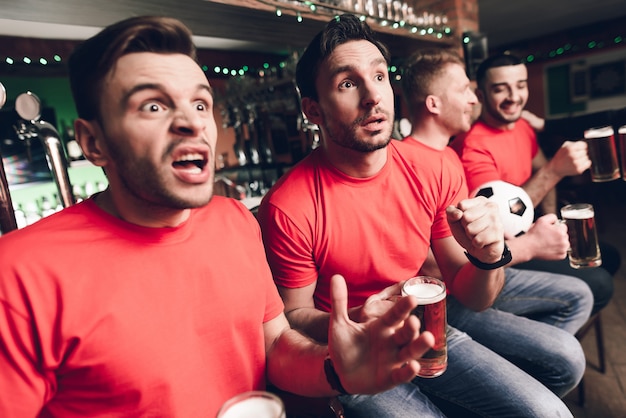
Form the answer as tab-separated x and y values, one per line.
602	153
431	311
583	235
253	404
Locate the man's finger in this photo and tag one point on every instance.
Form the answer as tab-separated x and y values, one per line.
339	298
399	311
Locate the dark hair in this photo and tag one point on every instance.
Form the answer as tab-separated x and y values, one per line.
499	60
419	71
92	60
338	31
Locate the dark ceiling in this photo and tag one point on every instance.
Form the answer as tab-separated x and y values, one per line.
506	22
225	27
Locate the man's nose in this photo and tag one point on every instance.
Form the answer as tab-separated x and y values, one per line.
371	94
188	121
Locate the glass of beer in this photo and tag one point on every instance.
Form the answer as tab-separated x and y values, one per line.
253	404
602	153
621	132
431	311
583	235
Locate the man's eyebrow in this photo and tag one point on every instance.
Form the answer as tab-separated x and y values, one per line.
504	83
140	87
351	67
206	87
156	86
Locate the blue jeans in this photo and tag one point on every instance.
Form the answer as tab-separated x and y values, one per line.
599	280
556	299
508	365
531	324
477	379
402	401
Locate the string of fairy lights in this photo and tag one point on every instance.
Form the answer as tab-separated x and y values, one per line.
574	48
15	63
384	13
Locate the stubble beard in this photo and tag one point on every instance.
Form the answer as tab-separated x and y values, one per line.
346	136
146	183
496	115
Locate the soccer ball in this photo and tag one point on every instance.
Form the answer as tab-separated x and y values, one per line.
516	208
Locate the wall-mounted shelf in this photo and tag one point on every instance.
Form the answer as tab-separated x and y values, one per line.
254	24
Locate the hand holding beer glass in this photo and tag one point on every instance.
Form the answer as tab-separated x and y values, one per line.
431	311
583	235
602	153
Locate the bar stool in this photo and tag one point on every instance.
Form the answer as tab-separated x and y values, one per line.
594	322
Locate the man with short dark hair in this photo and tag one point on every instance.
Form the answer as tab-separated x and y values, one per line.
359	206
153	298
501	145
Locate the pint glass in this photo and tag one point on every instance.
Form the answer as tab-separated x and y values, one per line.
431	311
583	235
253	404
602	153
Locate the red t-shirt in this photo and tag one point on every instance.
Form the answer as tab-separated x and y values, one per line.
446	158
375	231
105	318
491	154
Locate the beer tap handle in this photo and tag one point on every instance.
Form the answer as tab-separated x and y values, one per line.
29	152
28	106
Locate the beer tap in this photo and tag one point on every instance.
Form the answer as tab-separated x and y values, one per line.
7	215
237	124
252	141
28	107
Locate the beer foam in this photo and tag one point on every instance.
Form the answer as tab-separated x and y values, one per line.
596	133
254	407
577	214
425	292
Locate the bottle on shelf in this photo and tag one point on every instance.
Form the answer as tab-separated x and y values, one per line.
20	216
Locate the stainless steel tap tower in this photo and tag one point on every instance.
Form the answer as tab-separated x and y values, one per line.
28	107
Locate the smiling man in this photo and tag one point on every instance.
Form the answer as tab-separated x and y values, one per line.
363	205
502	145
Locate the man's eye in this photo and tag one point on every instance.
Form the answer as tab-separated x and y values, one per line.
201	106
346	84
152	107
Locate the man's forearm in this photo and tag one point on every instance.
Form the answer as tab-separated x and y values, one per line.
549	202
477	289
293	351
540	184
312	322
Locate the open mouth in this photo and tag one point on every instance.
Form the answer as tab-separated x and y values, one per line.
193	162
373	122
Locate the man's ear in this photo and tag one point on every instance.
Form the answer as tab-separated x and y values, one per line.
90	138
312	110
433	104
480	95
